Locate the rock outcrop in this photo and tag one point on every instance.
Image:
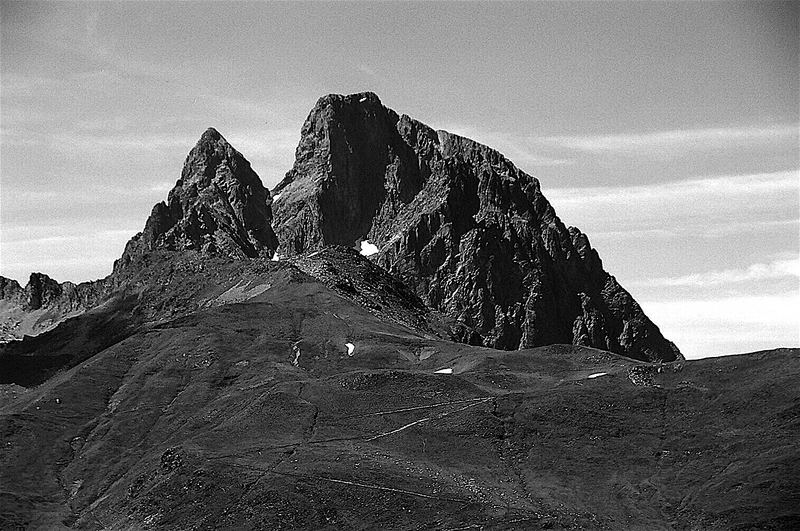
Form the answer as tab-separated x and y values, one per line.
218	206
43	303
472	234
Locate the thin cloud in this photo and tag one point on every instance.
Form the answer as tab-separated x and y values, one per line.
90	45
113	235
664	143
776	269
725	228
229	105
728	325
372	73
715	208
162	187
105	143
516	149
733	227
694	190
266	143
753	309
108	136
21	85
80	256
712	206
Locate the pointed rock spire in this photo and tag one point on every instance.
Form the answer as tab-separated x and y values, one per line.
218	206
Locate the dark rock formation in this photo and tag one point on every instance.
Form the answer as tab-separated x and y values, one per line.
44	291
457	221
218	206
10	290
43	303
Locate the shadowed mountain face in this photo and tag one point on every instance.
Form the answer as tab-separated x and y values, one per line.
459	223
219	206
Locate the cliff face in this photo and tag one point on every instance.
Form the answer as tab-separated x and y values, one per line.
459	223
219	206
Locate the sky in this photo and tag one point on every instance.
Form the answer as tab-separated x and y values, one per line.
668	132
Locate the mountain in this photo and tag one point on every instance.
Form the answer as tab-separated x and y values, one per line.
244	371
455	220
471	235
218	206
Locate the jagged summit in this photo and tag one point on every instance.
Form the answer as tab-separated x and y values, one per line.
471	233
333	192
218	206
212	136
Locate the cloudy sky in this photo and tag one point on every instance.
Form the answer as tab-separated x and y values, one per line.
666	131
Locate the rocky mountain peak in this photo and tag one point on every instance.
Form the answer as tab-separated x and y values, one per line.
41	291
336	187
458	222
218	206
468	232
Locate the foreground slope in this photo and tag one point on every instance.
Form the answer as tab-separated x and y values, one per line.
272	400
458	222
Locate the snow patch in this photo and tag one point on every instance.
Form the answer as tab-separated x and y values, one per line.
362	100
444	371
350	348
276	197
368	249
276	257
597	375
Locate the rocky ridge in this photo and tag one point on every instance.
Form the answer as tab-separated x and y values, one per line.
42	304
471	233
